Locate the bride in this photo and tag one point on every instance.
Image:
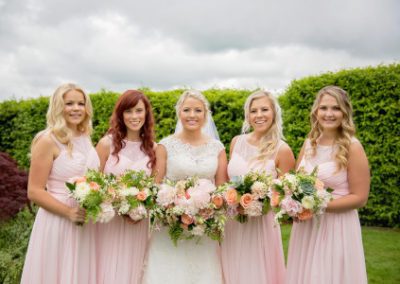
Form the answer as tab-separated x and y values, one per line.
189	152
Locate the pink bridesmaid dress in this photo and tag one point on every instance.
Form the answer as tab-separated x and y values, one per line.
331	251
252	252
60	251
121	244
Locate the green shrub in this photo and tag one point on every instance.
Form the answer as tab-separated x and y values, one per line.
375	95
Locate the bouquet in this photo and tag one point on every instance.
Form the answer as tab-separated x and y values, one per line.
247	196
135	194
191	208
299	195
93	193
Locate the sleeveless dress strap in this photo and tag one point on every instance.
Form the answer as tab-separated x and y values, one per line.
58	143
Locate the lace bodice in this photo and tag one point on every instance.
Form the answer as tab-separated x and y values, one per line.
185	160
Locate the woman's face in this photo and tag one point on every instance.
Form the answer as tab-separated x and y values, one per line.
74	108
261	114
135	117
329	114
192	114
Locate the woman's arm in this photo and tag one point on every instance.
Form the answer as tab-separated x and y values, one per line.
161	163
284	161
43	154
221	176
103	151
359	181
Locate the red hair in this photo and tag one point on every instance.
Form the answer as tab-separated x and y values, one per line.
127	100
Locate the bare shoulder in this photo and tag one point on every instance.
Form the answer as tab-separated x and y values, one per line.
356	148
104	142
45	142
284	149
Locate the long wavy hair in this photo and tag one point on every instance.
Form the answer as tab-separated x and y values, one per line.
118	130
345	131
270	141
56	123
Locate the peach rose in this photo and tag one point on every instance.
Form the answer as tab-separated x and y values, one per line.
305	215
319	184
275	199
80	179
231	196
186	219
184	226
111	191
94	186
218	201
206	213
141	196
246	200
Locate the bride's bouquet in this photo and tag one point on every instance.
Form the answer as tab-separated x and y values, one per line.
191	208
134	195
93	192
247	195
299	195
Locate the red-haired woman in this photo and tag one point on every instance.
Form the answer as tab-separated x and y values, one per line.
129	144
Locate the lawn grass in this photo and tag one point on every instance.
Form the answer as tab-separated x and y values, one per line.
382	253
381	246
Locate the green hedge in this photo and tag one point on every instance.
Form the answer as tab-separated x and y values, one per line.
21	120
375	95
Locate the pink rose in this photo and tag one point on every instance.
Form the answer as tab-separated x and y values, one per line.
141	196
290	206
231	196
186	219
94	186
246	200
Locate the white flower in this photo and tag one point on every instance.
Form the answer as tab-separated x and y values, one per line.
130	191
166	195
124	207
291	179
259	189
255	209
308	202
138	213
107	212
198	230
82	189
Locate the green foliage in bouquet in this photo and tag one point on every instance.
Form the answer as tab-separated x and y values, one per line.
92	201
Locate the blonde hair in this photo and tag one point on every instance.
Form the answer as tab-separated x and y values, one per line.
270	141
195	95
56	123
346	130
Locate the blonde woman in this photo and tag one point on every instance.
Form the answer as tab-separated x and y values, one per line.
252	252
59	250
331	251
189	152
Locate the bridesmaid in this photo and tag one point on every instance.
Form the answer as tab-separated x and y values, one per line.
252	252
129	145
332	251
59	251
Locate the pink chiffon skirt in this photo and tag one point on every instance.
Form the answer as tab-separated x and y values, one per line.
330	251
60	252
252	252
121	249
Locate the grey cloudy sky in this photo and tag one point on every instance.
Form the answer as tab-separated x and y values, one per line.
166	44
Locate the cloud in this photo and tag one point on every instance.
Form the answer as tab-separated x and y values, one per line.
167	44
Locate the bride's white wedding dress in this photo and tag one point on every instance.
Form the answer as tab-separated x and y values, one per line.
189	262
